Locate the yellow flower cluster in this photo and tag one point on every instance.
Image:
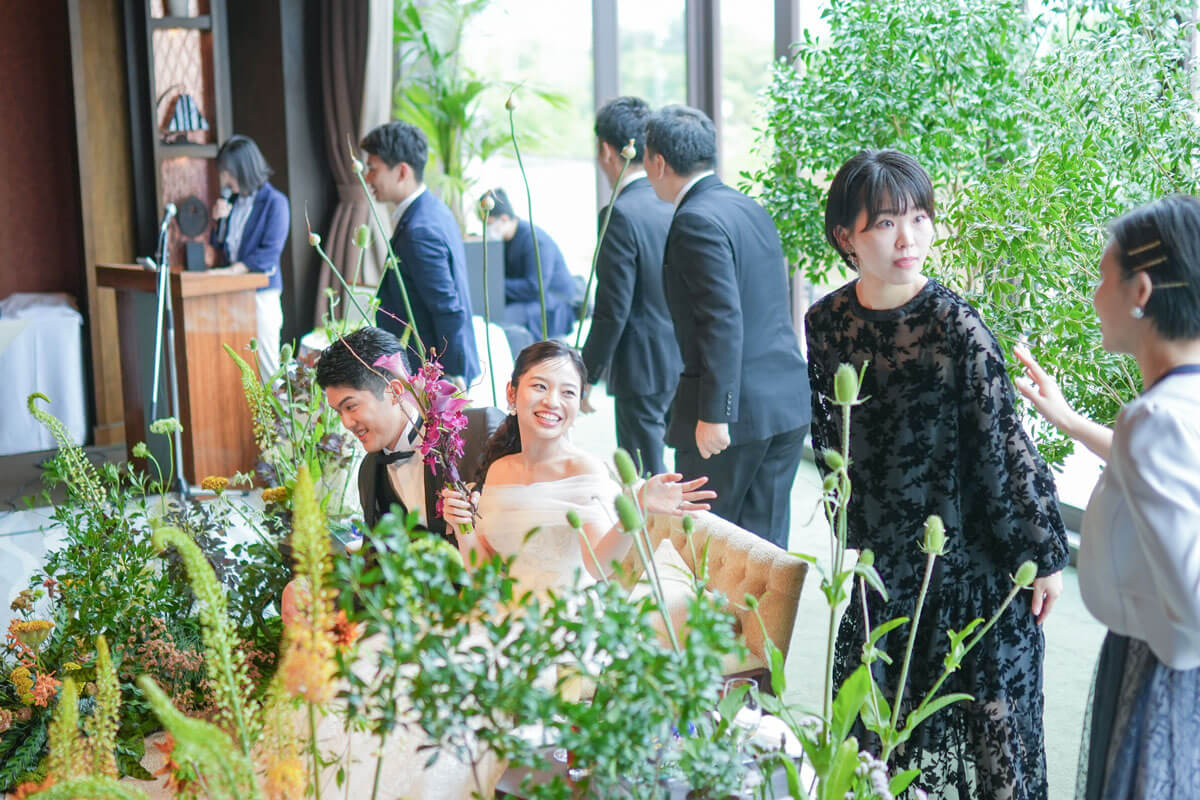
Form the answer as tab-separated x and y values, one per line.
307	667
22	679
30	632
285	779
275	494
214	483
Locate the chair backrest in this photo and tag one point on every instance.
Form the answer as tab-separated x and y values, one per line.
739	563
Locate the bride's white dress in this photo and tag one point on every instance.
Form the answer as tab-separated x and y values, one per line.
552	555
549	558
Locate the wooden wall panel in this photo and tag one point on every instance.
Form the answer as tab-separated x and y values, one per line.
105	187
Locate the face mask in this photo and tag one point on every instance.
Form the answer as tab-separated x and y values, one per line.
493	233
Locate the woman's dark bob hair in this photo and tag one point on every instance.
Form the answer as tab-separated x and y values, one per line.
1162	239
242	159
881	182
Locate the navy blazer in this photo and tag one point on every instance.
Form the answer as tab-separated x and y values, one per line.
263	237
631	343
727	287
433	263
521	281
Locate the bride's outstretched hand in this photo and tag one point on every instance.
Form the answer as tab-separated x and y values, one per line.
456	509
670	494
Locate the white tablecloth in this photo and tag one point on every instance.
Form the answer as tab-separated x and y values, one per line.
45	355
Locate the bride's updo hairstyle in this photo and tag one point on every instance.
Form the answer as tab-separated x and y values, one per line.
881	182
507	438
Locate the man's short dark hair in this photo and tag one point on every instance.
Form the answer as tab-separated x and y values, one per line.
623	119
394	142
349	361
242	159
685	137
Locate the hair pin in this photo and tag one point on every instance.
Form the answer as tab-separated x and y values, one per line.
1144	247
1148	264
1171	285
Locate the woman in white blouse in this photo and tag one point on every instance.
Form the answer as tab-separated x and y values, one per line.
1139	561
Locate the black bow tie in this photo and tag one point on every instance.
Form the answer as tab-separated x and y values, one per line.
395	457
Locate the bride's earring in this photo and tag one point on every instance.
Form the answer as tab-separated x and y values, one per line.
1137	312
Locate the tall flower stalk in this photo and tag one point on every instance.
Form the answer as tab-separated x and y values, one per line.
485	209
510	105
628	153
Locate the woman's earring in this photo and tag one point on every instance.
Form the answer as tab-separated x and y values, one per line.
512	411
1137	312
853	256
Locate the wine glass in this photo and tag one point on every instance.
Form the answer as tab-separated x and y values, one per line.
749	711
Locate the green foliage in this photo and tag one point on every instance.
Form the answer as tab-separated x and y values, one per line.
939	79
225	769
295	427
21	763
94	787
1037	132
101	726
491	663
222	647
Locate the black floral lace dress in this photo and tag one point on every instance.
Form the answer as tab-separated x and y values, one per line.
939	434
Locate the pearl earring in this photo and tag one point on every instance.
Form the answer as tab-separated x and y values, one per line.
1137	312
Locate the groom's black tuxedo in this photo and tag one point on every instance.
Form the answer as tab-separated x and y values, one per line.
727	288
375	490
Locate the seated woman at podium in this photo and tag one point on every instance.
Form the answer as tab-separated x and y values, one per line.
252	221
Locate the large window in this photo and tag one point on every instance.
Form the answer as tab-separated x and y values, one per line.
652	56
747	50
542	45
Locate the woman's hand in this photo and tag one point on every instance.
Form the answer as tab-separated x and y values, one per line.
457	509
221	208
1042	390
1045	591
665	494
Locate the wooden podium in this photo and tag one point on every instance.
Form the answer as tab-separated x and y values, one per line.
210	310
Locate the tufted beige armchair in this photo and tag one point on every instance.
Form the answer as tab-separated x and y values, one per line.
740	562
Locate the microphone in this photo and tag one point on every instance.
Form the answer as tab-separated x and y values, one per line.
168	211
223	222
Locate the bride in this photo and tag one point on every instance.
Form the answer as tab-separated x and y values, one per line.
532	475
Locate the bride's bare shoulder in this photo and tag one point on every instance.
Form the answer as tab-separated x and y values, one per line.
587	464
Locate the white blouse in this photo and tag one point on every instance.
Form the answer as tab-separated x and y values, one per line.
1139	561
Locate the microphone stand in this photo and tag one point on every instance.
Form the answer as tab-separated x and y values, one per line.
166	312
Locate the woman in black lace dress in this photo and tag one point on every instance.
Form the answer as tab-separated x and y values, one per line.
938	434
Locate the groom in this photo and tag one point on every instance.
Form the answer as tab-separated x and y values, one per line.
392	472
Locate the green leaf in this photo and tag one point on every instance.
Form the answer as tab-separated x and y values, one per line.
921	714
849	701
841	770
902	780
871	576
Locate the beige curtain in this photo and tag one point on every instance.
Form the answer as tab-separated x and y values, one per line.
356	88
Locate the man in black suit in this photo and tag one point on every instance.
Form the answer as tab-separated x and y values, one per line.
741	410
371	409
631	344
429	246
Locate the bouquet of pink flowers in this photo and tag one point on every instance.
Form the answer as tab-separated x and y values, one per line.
440	405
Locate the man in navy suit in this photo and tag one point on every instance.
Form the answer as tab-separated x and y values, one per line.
631	344
429	246
741	410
